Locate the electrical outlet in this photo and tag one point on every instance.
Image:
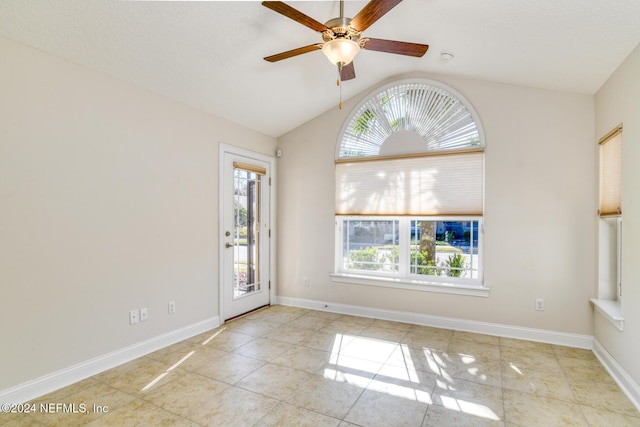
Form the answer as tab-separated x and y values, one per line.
305	282
172	307
144	314
540	304
134	317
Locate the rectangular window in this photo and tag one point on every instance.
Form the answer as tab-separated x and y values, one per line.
411	250
610	212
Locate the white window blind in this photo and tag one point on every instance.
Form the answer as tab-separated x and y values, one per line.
438	184
611	173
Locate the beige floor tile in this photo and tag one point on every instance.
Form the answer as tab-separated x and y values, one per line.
286	415
370	349
290	334
279	315
207	336
345	327
325	315
462	337
581	370
427	338
526	409
366	321
234	407
227	340
404	383
384	334
309	322
540	383
169	352
263	349
6	416
603	395
576	353
526	345
349	370
604	418
190	358
251	327
141	413
326	341
388	324
381	409
273	380
21	420
186	393
303	358
471	398
464	366
288	309
439	416
474	351
529	360
433	332
325	396
138	377
230	368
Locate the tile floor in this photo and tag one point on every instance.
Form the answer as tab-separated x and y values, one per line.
286	366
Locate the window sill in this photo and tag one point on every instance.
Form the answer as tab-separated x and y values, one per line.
611	310
447	288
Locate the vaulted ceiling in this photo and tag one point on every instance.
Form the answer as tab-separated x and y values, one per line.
208	54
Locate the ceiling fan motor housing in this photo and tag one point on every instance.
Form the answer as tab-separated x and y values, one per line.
340	28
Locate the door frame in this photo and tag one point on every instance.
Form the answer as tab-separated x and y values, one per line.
232	149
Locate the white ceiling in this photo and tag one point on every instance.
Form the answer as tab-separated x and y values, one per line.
208	54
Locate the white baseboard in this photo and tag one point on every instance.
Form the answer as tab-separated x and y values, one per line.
496	329
626	383
40	386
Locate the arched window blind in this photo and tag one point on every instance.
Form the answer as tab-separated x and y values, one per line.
411	148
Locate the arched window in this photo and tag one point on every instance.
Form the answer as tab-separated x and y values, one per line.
413	116
410	188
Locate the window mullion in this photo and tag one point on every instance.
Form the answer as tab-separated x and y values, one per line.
404	246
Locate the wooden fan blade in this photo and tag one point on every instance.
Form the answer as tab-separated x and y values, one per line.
293	52
373	11
296	15
392	46
348	72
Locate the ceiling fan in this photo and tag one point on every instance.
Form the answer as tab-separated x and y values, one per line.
343	36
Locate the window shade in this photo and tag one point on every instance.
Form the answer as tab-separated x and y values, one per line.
445	184
250	168
611	173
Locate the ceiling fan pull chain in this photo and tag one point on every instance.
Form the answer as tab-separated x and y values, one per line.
338	83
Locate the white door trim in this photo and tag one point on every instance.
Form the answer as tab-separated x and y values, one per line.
232	149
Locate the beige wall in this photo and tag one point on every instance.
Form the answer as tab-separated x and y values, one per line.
108	202
618	101
539	212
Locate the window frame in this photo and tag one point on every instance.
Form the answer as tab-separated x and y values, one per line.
404	279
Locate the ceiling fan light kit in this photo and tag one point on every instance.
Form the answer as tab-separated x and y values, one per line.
341	51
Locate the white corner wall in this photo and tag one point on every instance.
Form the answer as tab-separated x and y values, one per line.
539	221
108	202
618	101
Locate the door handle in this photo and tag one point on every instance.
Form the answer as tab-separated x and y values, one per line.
228	245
